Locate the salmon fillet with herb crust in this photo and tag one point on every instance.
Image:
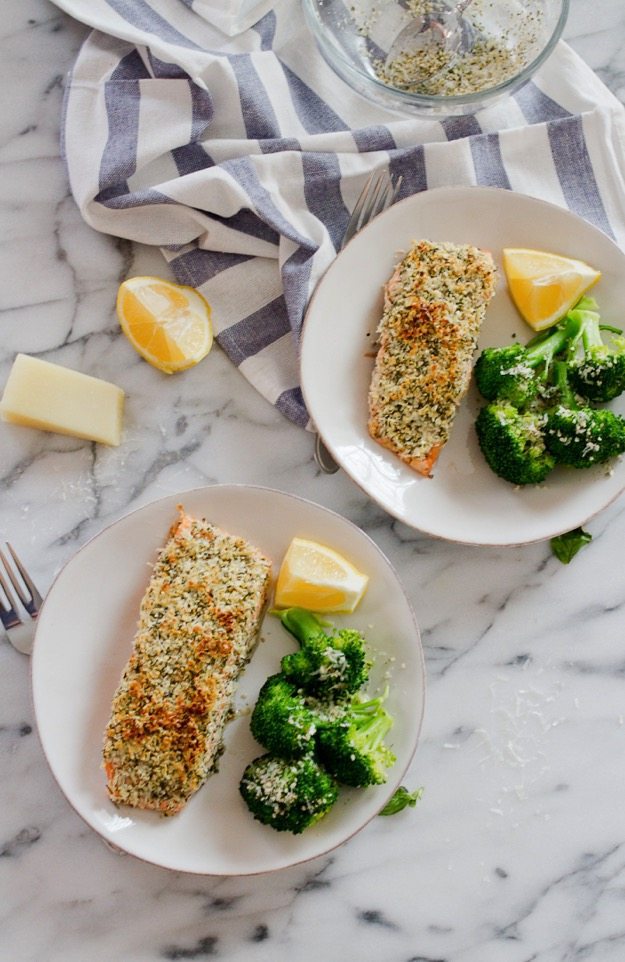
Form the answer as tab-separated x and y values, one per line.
198	623
434	305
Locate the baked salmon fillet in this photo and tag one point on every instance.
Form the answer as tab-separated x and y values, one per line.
434	305
198	623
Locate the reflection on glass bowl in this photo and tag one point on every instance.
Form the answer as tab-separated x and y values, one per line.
504	42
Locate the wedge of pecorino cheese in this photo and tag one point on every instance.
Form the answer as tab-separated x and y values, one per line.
434	306
198	623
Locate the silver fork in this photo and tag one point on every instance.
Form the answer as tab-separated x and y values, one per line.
20	633
379	192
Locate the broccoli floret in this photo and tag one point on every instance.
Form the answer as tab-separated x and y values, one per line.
584	437
281	721
503	372
599	373
581	436
352	747
328	708
513	444
517	373
288	795
325	664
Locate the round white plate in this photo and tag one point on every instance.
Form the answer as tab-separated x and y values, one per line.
464	501
84	638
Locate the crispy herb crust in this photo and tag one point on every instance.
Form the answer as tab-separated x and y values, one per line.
434	306
198	623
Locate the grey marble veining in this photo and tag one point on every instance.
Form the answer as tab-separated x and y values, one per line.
516	852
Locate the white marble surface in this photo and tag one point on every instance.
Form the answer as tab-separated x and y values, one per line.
517	851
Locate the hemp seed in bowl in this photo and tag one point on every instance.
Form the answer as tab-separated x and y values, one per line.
503	44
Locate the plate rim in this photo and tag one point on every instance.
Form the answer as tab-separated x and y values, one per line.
200	490
415	199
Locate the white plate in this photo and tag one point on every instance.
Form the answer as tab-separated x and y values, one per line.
84	638
464	501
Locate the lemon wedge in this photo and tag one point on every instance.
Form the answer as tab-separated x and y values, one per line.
545	286
168	324
316	577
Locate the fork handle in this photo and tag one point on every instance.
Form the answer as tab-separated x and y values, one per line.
323	457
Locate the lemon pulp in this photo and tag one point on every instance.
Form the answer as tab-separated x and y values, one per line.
545	286
316	577
168	324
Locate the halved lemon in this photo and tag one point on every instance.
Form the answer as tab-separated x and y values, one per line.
168	324
545	286
316	577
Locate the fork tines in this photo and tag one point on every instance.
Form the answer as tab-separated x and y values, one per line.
23	585
8	605
371	198
379	192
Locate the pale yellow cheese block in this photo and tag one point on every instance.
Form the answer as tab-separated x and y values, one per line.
42	395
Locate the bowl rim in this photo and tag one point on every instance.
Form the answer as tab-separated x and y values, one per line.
406	98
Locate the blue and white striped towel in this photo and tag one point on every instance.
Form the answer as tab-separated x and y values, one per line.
241	158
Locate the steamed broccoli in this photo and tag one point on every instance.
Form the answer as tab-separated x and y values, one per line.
581	436
599	373
352	747
281	721
517	373
325	664
288	795
535	420
512	443
317	727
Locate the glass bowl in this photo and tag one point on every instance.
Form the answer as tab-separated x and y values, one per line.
504	42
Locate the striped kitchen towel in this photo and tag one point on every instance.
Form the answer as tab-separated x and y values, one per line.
241	157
